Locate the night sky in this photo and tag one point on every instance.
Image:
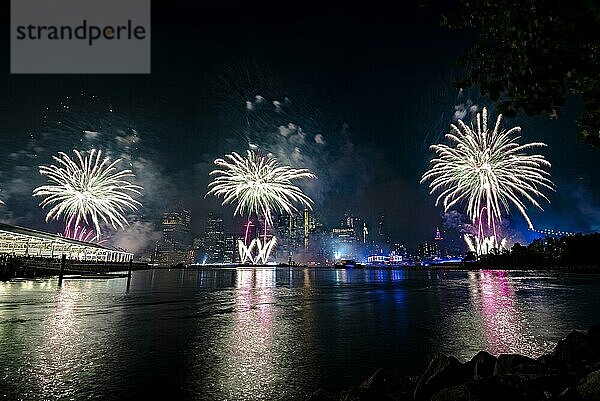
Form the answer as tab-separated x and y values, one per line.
355	93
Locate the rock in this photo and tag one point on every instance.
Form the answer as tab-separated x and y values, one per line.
361	394
546	360
548	363
577	351
352	394
594	366
515	363
545	385
589	387
483	364
443	371
381	380
322	395
456	393
388	384
594	331
493	388
569	394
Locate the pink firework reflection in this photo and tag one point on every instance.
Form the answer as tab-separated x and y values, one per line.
502	324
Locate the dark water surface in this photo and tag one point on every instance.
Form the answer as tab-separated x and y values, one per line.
269	334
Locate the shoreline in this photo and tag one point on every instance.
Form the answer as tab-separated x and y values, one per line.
571	372
575	269
8	273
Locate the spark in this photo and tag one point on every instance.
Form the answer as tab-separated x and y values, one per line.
489	171
88	189
258	184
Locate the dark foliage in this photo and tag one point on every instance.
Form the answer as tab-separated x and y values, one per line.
530	53
575	250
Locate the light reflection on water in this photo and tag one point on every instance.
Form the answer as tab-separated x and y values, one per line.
501	321
269	334
511	323
248	362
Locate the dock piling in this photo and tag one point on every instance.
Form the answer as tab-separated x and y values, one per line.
63	261
129	273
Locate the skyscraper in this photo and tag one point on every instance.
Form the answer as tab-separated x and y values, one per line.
230	253
343	241
384	238
307	227
214	238
431	249
176	239
360	230
438	234
284	247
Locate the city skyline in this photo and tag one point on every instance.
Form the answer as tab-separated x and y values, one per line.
300	201
366	134
302	239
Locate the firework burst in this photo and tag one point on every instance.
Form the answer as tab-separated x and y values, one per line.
489	171
88	189
258	184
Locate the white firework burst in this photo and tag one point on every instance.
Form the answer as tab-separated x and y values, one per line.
88	189
488	170
258	184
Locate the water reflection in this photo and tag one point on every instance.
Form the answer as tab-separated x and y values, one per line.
58	342
269	334
504	326
346	276
57	358
249	363
258	350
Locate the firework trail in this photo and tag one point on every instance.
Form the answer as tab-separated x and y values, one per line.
88	189
489	171
258	184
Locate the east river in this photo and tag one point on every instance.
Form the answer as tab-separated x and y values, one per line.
269	334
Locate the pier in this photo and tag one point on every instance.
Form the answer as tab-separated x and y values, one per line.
31	267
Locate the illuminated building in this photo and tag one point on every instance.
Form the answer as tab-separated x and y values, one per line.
399	249
438	234
350	240
296	234
290	235
25	242
284	247
343	241
295	230
361	232
344	235
383	236
364	233
214	238
174	246
308	226
230	254
378	259
428	250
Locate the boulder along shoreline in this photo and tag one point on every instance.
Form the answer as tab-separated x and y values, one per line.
570	372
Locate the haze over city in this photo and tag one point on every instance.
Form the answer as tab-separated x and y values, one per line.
306	201
359	100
